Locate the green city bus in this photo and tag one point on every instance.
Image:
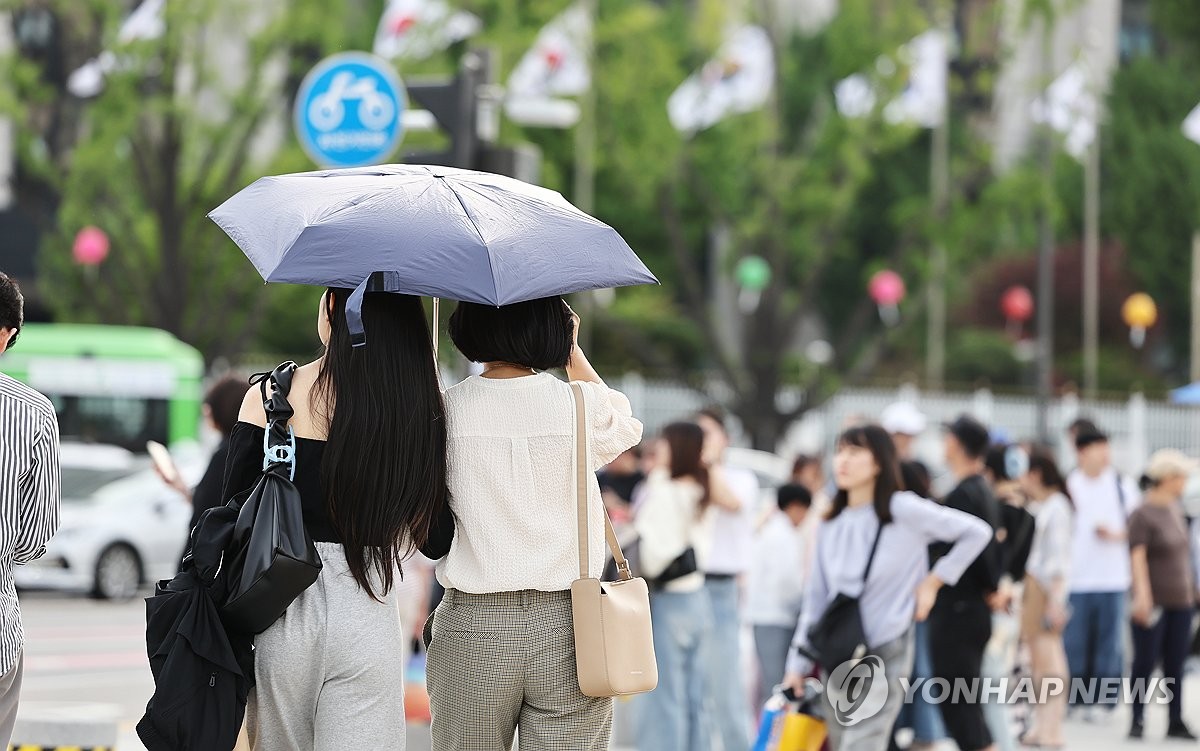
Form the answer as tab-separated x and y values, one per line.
120	385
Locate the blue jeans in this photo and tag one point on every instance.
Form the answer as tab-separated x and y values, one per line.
671	717
1092	637
729	706
924	717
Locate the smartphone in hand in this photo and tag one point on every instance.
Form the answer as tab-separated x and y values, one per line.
163	462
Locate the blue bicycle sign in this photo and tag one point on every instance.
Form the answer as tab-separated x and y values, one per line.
348	111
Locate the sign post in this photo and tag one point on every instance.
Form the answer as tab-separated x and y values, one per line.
349	111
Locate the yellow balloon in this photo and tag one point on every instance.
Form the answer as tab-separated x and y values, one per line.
1139	311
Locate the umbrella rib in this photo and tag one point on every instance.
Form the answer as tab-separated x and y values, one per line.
474	226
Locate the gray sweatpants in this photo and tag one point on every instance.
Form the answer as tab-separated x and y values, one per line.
330	672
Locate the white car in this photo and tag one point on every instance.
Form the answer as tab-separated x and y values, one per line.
121	526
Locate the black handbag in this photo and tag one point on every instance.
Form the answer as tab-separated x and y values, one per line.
677	569
839	636
270	559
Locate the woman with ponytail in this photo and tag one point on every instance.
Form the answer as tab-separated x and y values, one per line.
371	469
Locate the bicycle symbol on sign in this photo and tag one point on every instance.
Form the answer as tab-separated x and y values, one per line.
375	111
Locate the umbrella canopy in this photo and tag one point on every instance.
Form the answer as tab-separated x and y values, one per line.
421	230
1188	395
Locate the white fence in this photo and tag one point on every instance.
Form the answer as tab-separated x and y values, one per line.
1137	427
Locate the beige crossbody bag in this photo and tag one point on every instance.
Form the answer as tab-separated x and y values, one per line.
614	646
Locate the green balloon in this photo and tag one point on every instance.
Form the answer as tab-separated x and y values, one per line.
753	273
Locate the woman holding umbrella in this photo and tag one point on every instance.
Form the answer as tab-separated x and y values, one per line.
502	652
501	645
371	469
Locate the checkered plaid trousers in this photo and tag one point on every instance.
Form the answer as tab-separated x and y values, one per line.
498	662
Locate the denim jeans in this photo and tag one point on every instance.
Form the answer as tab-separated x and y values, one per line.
729	706
924	717
672	716
1092	637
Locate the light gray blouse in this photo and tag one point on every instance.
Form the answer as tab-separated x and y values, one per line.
888	601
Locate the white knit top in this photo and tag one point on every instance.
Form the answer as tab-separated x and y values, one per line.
511	458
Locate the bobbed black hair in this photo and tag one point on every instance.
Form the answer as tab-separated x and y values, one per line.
538	334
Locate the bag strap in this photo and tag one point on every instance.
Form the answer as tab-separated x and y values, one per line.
279	440
1121	496
871	555
581	496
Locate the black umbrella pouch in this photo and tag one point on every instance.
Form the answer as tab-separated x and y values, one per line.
270	559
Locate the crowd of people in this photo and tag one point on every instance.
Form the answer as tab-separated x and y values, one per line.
1020	568
1017	568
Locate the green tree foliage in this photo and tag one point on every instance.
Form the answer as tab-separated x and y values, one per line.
183	122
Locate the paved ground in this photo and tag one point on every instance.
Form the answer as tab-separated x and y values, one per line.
93	653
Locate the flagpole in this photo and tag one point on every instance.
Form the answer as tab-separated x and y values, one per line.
939	179
1045	262
1091	267
584	189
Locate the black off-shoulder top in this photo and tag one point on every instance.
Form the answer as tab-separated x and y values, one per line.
244	465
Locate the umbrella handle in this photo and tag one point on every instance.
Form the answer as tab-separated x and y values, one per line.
437	303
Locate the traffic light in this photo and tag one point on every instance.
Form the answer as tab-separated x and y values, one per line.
467	108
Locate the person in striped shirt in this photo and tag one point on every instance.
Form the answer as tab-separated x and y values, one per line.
29	482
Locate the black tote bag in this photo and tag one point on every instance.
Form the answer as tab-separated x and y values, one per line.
270	559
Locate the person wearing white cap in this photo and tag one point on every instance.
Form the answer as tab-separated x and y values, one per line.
1164	589
905	423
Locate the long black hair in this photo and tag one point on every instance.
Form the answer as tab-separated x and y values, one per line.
384	469
876	440
1041	460
686	440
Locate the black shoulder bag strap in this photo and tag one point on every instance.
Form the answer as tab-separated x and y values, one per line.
871	555
1121	497
279	440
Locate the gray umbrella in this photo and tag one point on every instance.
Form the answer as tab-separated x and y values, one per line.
430	231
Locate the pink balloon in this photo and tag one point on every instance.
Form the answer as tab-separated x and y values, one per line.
91	246
886	288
